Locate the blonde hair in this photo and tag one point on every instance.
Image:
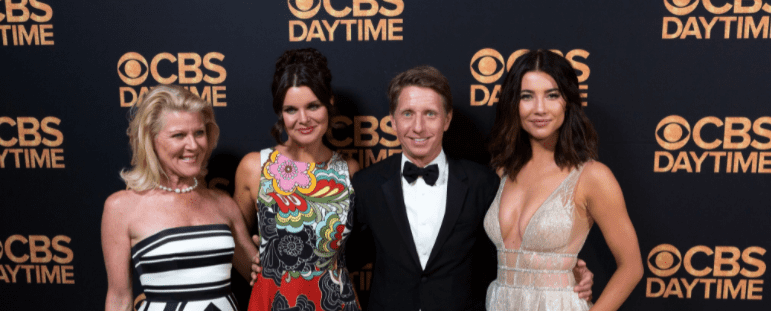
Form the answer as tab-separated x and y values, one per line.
145	123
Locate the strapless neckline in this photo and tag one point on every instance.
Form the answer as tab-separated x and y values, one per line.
186	268
175	230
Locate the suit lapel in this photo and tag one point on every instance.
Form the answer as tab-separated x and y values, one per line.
392	189
456	193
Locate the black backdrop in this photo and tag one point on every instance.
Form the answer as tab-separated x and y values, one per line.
673	87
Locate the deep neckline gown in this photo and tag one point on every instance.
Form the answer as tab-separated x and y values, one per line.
538	275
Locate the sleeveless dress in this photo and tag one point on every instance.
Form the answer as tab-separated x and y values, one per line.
538	275
304	215
186	268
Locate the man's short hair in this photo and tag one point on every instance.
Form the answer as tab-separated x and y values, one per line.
422	76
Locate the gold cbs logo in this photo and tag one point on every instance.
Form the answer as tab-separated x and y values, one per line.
39	249
661	260
30	127
21	7
133	68
726	261
674	132
305	9
488	65
671	137
685	7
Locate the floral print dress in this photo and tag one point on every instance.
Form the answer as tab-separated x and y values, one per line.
304	215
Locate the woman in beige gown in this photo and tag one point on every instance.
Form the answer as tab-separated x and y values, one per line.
551	193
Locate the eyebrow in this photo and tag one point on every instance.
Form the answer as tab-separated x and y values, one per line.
547	91
180	129
315	102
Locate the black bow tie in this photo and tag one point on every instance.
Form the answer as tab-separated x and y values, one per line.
412	172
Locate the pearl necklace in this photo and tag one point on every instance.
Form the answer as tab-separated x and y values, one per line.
183	190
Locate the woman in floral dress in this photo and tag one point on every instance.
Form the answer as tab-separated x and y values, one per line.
299	194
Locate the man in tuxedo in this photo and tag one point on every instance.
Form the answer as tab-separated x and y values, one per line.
425	211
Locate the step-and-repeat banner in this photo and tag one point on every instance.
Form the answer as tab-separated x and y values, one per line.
677	89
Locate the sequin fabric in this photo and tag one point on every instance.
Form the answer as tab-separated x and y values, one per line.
538	275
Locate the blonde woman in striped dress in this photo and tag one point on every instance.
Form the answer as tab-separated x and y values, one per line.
178	236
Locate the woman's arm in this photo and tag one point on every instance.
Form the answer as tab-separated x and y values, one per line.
353	167
605	204
247	187
116	246
245	250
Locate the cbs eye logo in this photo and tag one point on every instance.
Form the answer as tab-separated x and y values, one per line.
133	68
680	7
489	66
673	132
664	260
304	9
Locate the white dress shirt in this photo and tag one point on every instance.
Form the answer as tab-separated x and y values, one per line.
425	207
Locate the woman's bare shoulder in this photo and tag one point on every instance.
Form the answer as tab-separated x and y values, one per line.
223	201
596	172
122	207
353	166
251	162
122	199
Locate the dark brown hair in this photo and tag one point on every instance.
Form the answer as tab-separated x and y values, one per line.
301	67
422	76
510	145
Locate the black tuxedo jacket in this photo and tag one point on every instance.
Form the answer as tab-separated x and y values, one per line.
462	262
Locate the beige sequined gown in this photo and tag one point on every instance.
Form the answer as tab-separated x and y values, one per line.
538	276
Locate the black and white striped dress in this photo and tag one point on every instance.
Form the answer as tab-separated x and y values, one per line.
186	268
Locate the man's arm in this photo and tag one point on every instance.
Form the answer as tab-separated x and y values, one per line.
359	246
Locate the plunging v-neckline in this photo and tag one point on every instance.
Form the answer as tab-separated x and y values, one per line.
527	226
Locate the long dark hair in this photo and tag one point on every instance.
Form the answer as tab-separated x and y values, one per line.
510	145
301	67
